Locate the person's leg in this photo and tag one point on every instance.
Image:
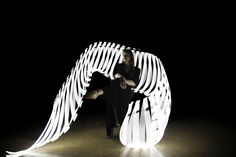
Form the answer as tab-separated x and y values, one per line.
107	91
109	120
94	94
116	118
109	130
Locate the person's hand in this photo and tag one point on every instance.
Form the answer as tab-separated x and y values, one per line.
118	76
123	84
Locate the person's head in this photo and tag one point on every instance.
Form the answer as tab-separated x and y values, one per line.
128	58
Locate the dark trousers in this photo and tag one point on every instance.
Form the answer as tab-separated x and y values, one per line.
118	99
110	119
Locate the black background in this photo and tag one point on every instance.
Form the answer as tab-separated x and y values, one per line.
39	52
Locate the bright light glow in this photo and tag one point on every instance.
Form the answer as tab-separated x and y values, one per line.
142	152
139	145
145	121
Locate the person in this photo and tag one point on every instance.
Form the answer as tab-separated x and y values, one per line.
118	93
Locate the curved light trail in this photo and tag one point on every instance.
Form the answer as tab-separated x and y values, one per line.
146	119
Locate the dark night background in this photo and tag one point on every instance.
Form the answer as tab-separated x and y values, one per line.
38	54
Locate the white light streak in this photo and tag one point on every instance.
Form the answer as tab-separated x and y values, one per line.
138	129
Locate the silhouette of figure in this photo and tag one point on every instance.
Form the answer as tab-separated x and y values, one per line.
118	93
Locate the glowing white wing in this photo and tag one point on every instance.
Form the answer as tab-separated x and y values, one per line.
102	57
146	119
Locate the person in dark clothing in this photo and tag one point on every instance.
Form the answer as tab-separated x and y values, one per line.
118	93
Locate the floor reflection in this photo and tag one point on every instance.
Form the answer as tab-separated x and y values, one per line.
182	138
37	154
141	152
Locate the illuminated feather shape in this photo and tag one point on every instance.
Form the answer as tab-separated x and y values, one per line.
146	119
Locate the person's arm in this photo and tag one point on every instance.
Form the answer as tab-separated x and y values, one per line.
129	82
116	73
124	81
134	81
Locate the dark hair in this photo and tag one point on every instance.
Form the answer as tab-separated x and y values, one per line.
130	53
